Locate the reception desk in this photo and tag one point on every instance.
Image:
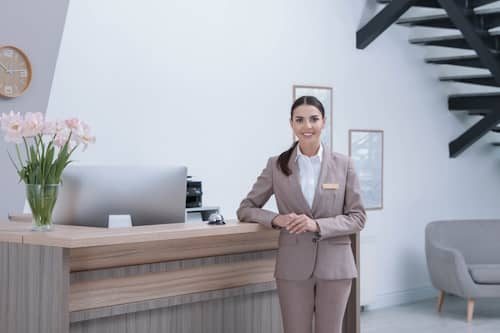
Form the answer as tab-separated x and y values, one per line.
175	278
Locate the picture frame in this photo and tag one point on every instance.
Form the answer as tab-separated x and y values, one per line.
325	96
366	148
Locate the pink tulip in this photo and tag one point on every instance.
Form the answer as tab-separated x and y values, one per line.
12	125
49	128
83	135
61	137
52	127
73	123
33	124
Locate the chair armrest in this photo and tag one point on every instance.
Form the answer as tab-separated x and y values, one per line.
448	270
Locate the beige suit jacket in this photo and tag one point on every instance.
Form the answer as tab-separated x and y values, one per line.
337	208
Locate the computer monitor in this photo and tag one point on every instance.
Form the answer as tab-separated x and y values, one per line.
150	195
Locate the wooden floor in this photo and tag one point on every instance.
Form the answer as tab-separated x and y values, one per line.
422	317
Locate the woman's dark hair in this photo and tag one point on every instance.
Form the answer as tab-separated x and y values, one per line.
284	158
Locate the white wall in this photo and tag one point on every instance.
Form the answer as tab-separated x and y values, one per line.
209	85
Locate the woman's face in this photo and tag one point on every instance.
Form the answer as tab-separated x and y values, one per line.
307	124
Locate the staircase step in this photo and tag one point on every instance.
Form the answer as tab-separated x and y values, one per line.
435	3
435	21
476	101
463	60
478	113
458	41
482	79
487	18
420	3
496	144
496	130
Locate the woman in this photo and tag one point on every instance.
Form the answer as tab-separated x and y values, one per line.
318	198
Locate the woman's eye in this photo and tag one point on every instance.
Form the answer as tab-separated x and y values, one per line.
313	120
299	120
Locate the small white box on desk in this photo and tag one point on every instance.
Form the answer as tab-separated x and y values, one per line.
194	217
119	221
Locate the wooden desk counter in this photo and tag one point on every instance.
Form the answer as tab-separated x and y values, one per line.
159	278
68	236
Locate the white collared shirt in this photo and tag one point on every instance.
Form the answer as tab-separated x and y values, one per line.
309	168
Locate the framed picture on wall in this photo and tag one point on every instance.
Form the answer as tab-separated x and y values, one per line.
325	96
366	148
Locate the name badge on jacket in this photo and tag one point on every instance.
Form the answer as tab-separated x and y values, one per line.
330	186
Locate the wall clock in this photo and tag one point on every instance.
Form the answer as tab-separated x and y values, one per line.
15	71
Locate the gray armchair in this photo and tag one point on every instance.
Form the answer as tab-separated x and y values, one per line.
463	258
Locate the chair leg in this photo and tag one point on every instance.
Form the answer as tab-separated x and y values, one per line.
440	300
470	309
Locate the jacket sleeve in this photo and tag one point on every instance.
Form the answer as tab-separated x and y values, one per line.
250	209
354	216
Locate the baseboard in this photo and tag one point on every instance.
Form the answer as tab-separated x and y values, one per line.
402	297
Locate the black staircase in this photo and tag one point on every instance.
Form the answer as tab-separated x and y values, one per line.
474	26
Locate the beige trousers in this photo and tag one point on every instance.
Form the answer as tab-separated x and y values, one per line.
327	299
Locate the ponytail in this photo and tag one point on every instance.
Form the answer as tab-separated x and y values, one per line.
284	158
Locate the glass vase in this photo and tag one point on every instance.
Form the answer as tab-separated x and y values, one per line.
42	199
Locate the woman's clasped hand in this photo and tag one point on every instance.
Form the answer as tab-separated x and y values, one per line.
295	223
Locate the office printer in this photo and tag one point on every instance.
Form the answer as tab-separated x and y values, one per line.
194	193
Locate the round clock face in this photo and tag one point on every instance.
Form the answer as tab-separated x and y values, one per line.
15	71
